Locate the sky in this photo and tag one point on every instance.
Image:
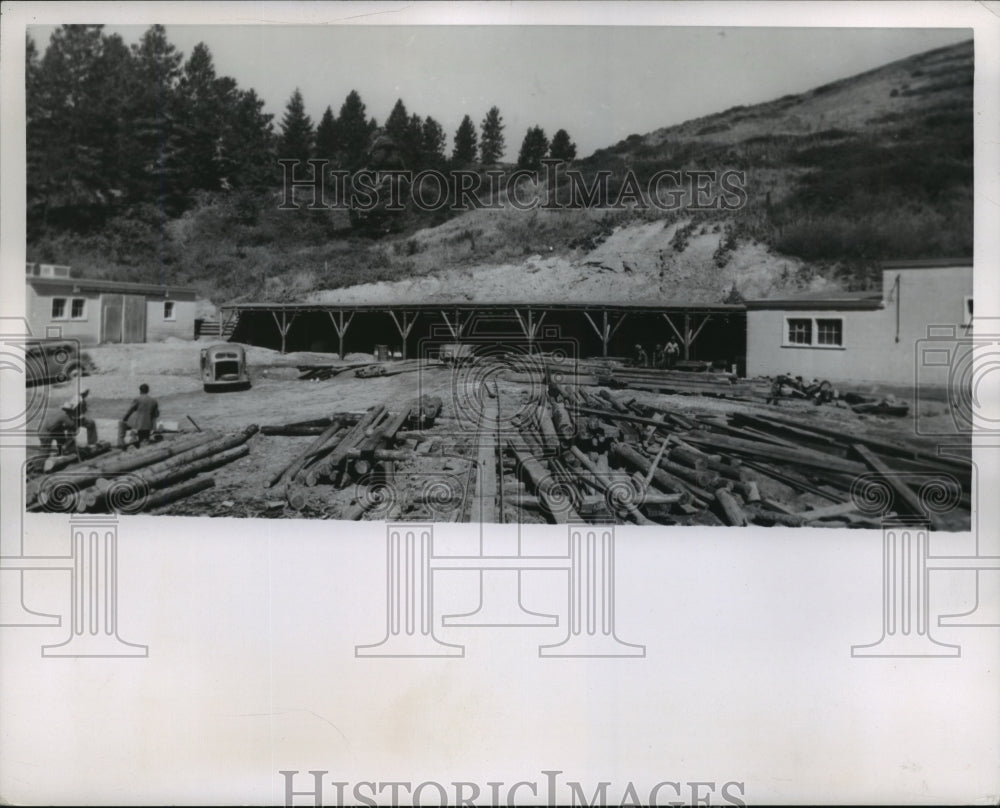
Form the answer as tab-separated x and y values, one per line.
601	84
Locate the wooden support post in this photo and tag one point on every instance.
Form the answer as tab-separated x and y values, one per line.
284	324
530	328
455	330
606	330
599	331
405	327
672	326
340	326
688	337
232	313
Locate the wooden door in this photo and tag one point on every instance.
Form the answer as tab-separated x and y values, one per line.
134	319
111	318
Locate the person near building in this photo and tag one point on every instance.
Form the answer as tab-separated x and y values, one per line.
659	357
76	407
59	428
672	352
143	411
641	359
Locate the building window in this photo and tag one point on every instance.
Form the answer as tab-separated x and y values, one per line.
78	309
800	332
168	310
967	311
58	308
830	332
815	332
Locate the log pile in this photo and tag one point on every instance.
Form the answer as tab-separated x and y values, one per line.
361	369
351	448
673	381
137	480
578	452
661	464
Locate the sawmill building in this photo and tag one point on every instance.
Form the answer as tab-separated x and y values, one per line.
878	336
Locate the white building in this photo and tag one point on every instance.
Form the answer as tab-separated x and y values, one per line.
865	336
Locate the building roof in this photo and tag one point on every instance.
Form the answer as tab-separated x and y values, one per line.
830	299
75	285
666	306
927	263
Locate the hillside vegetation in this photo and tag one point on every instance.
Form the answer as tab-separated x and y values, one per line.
868	168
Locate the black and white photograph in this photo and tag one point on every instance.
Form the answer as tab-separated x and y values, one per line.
562	306
339	319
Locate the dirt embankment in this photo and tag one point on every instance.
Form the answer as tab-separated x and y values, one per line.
639	261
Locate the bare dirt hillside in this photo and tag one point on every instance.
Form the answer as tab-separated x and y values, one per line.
637	261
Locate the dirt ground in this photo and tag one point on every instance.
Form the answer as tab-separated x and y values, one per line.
277	396
429	485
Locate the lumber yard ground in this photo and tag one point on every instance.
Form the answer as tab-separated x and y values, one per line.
524	441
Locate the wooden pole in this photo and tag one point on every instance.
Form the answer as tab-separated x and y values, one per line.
327	467
296	464
542	482
730	508
169	495
405	327
898	485
607	485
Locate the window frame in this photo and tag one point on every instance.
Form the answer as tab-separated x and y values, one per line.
83	309
839	332
808	334
813	343
172	316
52	309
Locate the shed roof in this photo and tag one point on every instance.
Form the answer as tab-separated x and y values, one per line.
666	306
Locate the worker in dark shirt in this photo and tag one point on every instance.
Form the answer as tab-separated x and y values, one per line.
145	410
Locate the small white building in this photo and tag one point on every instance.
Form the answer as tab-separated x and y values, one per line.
95	311
865	336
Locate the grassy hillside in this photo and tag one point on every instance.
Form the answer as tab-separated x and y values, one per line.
871	167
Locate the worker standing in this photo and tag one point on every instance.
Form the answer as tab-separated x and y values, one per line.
76	407
672	351
659	357
146	410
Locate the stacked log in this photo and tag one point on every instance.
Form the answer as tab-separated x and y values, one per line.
138	480
722	467
50	491
330	457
